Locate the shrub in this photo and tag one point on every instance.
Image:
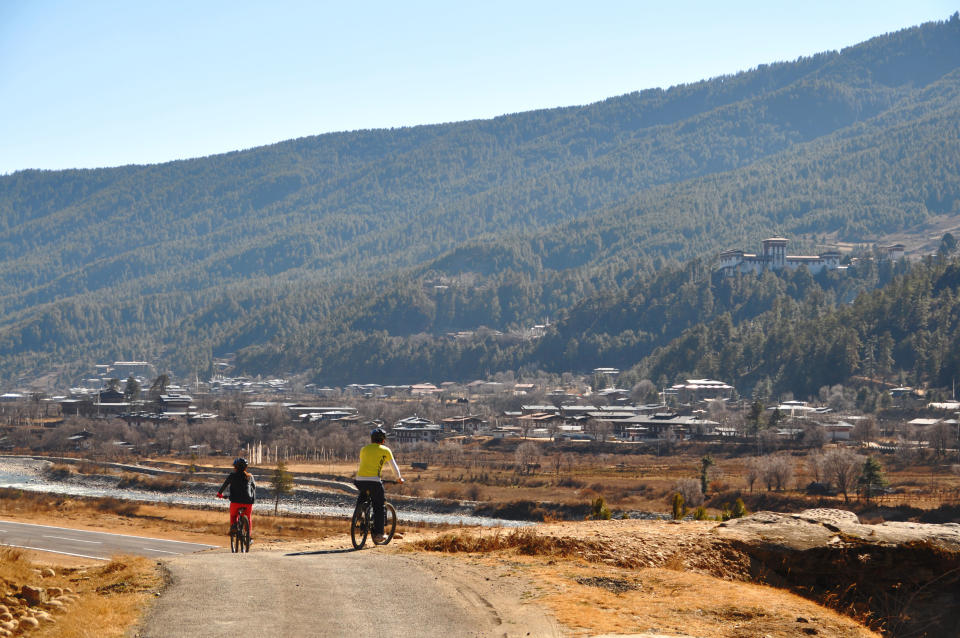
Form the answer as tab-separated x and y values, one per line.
58	472
118	507
158	484
700	513
599	510
679	507
739	509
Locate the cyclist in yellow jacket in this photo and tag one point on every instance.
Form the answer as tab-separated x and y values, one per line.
372	459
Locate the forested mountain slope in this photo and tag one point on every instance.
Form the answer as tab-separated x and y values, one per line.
292	247
908	330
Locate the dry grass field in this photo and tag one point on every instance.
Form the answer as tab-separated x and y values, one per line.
594	582
632	482
77	601
631	577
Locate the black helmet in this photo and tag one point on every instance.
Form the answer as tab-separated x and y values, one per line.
377	435
240	463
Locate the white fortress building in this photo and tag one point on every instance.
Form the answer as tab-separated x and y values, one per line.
775	257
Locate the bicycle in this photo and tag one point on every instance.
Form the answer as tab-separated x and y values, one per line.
361	525
240	534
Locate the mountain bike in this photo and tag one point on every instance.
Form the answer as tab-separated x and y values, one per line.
361	525
240	533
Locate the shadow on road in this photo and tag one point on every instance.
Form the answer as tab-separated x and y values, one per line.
324	551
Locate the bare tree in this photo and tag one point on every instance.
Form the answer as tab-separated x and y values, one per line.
691	491
864	431
769	440
839	398
526	456
906	447
814	463
451	453
841	467
814	436
941	435
754	470
644	392
777	472
603	429
718	412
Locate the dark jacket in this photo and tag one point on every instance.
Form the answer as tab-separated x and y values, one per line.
242	490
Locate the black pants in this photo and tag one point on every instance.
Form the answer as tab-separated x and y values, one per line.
379	499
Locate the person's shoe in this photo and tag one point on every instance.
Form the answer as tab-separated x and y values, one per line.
379	538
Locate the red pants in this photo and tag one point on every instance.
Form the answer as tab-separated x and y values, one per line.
236	508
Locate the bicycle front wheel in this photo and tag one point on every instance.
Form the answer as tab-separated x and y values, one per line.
389	524
243	534
359	526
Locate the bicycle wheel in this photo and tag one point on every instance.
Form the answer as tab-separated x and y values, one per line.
359	526
243	533
234	539
389	524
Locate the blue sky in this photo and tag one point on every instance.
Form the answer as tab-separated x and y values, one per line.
108	83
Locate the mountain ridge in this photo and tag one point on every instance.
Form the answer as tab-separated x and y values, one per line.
572	195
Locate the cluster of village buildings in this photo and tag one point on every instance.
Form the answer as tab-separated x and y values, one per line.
682	412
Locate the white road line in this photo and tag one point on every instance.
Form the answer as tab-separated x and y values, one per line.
162	551
75	540
148	538
53	551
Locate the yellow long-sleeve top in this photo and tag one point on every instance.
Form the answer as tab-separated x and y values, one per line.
372	458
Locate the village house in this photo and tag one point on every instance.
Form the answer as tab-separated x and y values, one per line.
415	429
423	389
694	390
463	424
344	415
661	425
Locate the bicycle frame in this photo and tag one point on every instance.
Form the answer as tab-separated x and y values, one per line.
240	534
361	524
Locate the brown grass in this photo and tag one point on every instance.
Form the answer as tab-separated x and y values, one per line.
108	598
626	481
160	520
624	577
601	600
523	540
157	483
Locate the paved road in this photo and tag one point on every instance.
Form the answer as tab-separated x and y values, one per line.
338	593
98	545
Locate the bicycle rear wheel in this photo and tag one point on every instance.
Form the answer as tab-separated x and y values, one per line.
389	524
243	533
359	526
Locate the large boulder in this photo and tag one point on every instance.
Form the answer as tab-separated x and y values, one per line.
33	595
816	527
905	576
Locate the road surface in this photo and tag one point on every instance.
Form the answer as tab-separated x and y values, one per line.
85	544
336	593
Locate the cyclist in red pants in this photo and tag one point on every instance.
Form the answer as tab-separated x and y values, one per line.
243	491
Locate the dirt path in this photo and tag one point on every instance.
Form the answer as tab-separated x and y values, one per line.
339	593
